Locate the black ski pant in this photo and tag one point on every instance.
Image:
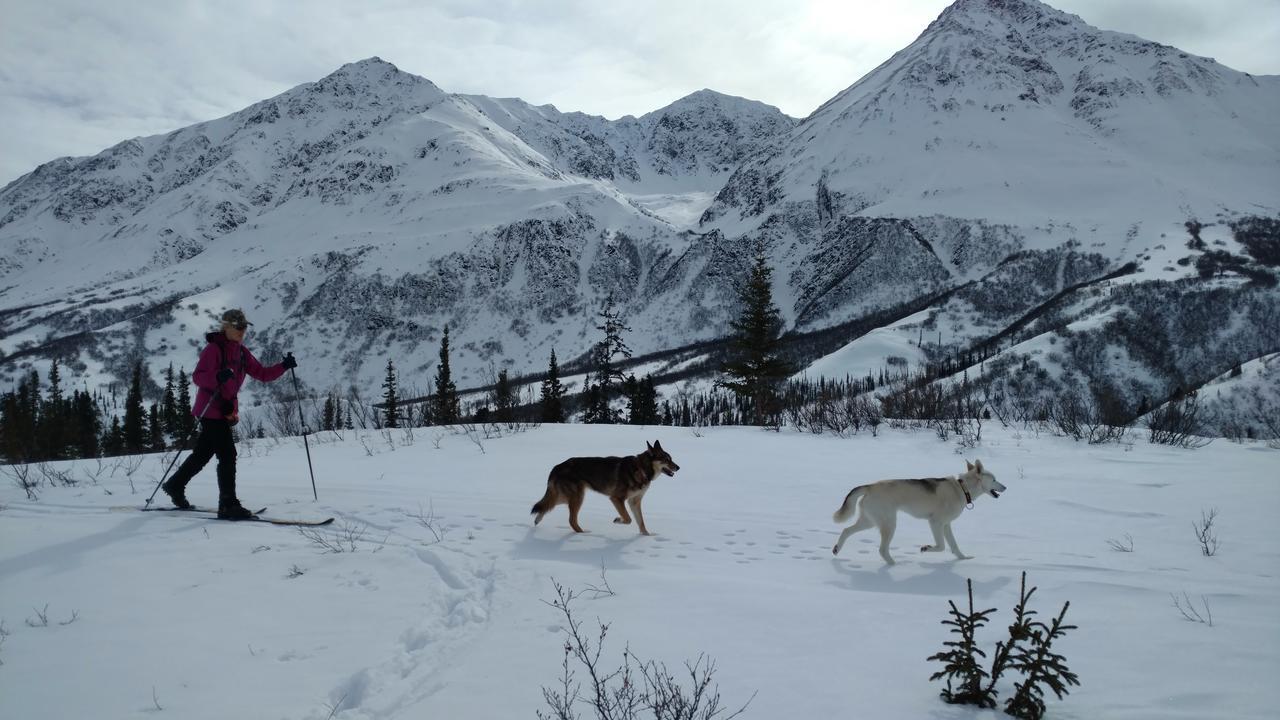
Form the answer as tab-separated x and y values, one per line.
215	439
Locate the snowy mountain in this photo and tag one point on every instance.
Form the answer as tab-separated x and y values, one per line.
367	209
1023	175
1012	180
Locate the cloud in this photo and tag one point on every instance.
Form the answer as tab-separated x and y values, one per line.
77	76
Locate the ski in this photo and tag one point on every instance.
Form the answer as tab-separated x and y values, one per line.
192	509
281	521
209	514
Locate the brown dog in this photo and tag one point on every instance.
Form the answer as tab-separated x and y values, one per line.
621	478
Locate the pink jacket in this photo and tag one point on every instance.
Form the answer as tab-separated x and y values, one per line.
220	353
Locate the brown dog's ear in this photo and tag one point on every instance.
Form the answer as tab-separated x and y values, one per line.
657	444
647	445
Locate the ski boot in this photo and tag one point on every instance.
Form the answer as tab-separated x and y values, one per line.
177	492
233	510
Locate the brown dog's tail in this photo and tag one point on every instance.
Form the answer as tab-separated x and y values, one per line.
543	506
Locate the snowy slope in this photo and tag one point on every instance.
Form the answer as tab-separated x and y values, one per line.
204	619
1013	112
356	216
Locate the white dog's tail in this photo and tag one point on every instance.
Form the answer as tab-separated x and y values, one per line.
850	504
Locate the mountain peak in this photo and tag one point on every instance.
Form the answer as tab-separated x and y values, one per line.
373	77
370	72
1023	12
370	66
704	98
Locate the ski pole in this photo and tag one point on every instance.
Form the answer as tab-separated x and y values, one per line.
303	422
216	392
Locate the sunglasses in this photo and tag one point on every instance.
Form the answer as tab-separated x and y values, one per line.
240	326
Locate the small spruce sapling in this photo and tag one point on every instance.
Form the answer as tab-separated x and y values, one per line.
1019	634
1028	651
1041	667
962	662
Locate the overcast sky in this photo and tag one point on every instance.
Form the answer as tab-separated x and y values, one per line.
77	76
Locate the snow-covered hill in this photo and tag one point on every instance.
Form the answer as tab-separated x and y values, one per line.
988	179
436	608
355	217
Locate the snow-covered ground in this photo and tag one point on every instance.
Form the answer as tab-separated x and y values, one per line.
176	616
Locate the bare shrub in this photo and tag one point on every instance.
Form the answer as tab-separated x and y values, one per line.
603	589
130	465
342	539
1177	423
1205	532
1190	612
474	435
1081	418
251	426
41	619
636	689
1125	545
428	520
22	476
93	475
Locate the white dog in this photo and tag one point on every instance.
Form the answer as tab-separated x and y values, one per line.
939	500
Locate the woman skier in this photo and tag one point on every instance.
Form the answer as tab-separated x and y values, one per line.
223	365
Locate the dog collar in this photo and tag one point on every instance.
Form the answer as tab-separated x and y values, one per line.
968	501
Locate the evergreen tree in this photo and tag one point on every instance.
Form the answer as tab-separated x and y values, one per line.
326	420
169	404
961	661
552	393
445	410
642	400
350	425
1040	666
605	380
186	425
18	421
595	403
55	384
51	429
504	400
155	429
134	414
113	439
390	403
756	368
87	425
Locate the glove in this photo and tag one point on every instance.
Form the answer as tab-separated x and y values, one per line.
289	362
225	374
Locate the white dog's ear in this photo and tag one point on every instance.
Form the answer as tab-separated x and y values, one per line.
968	465
977	465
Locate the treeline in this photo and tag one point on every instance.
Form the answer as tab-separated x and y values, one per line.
750	369
42	422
